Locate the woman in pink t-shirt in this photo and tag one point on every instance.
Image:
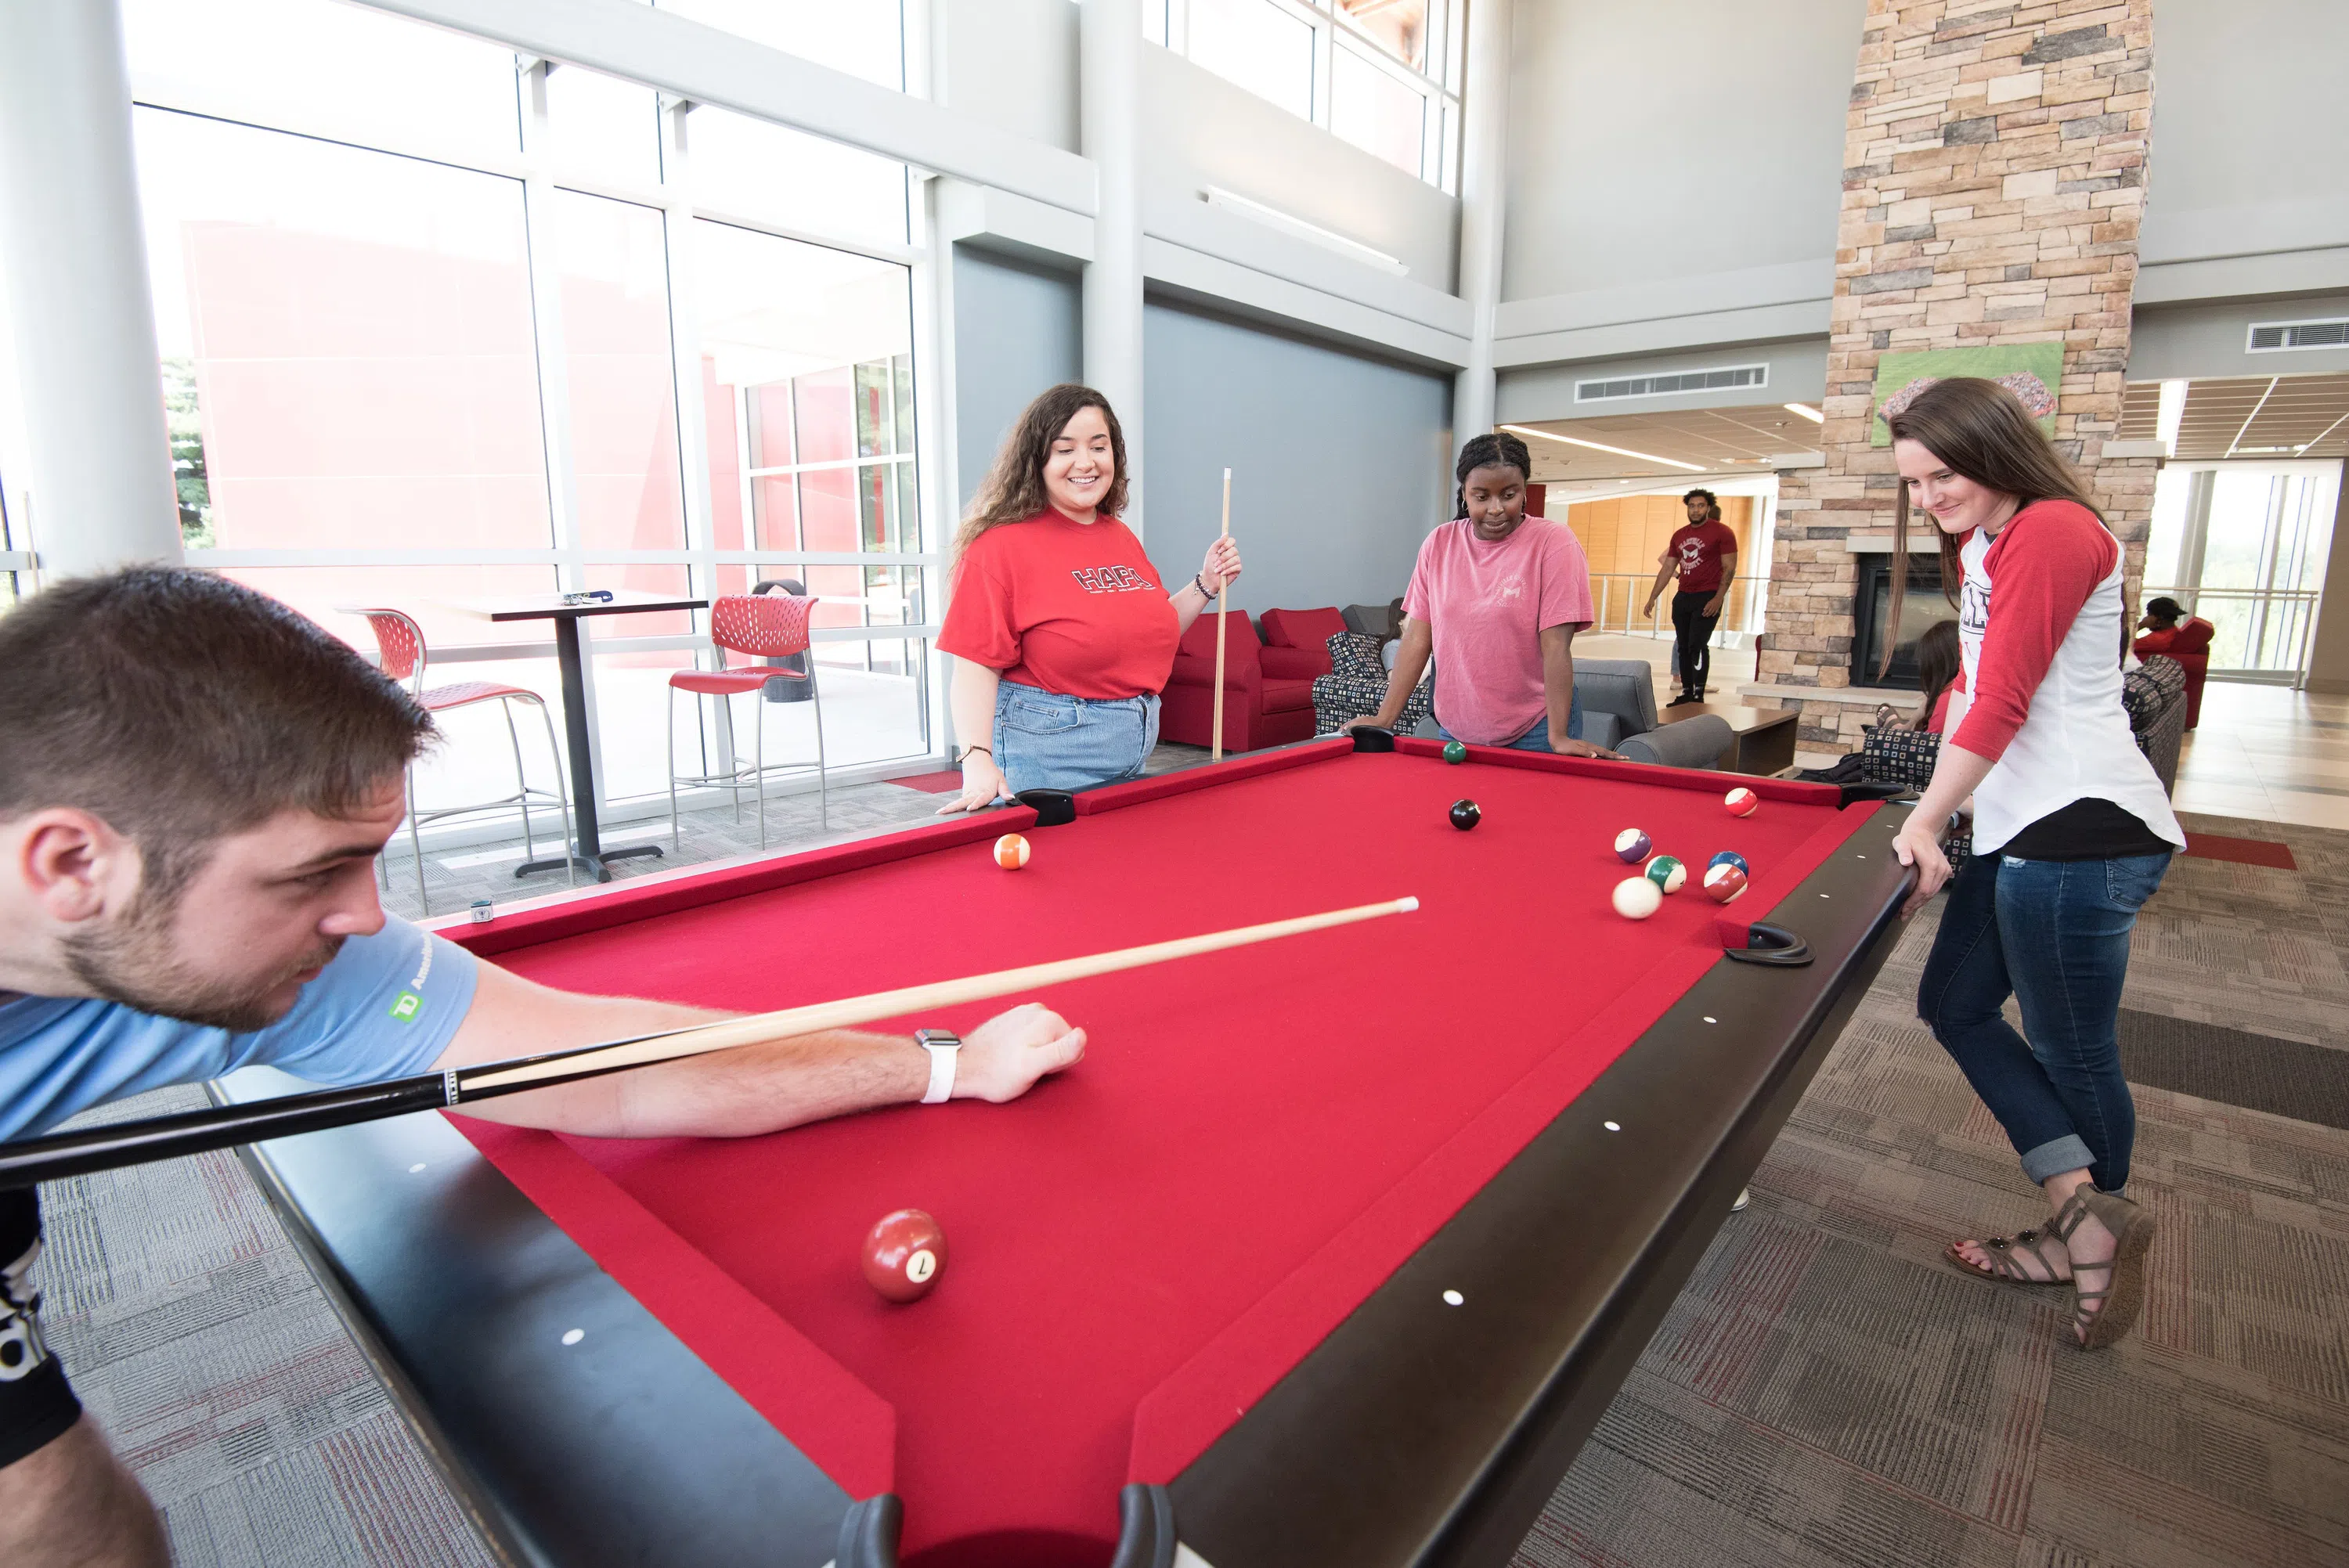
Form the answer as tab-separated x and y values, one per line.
1497	598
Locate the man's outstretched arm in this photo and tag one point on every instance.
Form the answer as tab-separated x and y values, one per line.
733	1093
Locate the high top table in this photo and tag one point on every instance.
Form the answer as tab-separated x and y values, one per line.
564	609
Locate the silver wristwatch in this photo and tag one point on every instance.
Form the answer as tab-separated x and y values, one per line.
944	1046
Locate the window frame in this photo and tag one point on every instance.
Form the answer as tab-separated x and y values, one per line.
1168	23
535	166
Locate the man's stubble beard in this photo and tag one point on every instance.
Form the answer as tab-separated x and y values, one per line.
130	960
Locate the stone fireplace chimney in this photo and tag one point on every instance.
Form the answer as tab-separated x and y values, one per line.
1994	187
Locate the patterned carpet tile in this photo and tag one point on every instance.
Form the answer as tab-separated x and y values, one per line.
1828	1390
222	1377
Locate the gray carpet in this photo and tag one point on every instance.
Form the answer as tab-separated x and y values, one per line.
1827	1391
198	1339
2239	1067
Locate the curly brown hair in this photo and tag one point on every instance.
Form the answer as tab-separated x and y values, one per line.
1013	490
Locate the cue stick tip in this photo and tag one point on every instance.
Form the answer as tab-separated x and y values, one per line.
1406	906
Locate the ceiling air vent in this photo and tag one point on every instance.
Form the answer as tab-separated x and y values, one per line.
1672	384
2271	337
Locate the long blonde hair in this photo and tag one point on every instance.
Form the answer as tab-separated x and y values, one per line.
1013	490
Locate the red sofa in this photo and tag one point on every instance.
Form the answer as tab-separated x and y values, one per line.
2189	642
1306	632
1268	692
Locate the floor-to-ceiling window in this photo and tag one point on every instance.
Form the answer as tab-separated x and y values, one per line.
2244	545
439	323
1383	75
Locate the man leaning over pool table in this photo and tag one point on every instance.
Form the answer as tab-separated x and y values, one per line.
194	783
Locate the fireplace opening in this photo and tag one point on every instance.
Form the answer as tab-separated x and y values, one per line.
1871	607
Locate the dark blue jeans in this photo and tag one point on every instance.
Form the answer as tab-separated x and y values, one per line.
2054	935
1538	738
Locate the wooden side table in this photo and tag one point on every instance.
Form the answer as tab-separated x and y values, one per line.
1762	739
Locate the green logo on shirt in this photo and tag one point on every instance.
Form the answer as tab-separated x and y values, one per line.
406	1005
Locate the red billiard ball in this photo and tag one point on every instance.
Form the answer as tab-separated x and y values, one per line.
1741	803
904	1255
1723	881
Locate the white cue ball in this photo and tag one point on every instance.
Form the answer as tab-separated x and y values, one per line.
1636	898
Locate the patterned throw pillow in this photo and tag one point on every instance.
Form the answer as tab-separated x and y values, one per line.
1899	755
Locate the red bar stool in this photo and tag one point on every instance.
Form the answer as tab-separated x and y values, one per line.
400	641
764	626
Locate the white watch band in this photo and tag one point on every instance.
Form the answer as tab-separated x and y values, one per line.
942	1072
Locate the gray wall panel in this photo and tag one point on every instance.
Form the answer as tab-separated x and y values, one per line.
1017	330
2188	342
1340	463
1675	139
2250	150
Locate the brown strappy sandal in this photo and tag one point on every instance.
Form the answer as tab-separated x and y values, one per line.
2101	1316
2007	1252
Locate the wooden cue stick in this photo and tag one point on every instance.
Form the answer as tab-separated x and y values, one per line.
30	1161
854	1010
1215	751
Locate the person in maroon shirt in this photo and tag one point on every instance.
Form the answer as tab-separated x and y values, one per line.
1062	632
1704	556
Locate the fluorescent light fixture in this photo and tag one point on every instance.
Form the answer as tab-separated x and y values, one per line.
1807	412
2321	434
1596	447
1298	228
2171	415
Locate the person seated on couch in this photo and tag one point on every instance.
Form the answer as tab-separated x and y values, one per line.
1062	634
2167	629
1937	667
1497	597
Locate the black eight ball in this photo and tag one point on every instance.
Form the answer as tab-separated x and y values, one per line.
1464	814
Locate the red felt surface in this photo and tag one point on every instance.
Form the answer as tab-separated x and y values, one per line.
1255	1139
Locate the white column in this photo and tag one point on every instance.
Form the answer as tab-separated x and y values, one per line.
100	481
1482	192
2328	657
1110	127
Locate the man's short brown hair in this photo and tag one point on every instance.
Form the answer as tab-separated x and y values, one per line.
181	706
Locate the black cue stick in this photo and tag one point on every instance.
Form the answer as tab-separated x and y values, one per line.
30	1161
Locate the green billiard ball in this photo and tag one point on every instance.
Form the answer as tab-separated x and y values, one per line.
1454	752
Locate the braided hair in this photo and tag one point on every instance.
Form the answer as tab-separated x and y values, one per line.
1499	450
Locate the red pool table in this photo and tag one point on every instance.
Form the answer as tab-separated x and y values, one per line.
1331	1252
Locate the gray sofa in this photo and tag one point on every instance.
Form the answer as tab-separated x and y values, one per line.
1619	704
1619	712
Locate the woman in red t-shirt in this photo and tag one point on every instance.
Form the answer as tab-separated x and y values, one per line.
1062	632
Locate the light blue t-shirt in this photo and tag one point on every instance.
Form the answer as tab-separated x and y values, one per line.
386	1007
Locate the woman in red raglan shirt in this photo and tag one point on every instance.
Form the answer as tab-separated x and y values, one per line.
1061	632
2071	834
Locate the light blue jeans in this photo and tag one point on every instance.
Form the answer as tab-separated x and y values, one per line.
1538	738
1047	741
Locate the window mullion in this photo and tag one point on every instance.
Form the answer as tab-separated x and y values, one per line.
685	349
546	320
1325	44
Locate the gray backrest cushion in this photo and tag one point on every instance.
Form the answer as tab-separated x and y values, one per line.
1624	688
